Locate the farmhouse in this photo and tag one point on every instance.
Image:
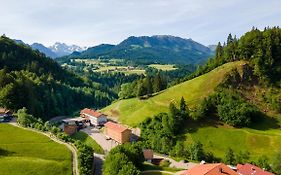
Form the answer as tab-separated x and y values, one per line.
5	115
117	132
210	169
249	169
95	117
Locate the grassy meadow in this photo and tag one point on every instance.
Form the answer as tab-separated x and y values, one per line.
86	139
23	152
133	111
263	138
164	67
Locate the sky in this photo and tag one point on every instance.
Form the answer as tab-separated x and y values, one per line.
93	22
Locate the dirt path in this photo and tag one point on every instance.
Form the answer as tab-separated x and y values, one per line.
75	170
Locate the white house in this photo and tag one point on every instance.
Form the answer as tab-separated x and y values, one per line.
95	117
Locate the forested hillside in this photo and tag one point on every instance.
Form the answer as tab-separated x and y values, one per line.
29	79
154	49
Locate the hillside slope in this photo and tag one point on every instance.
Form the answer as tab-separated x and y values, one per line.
159	48
133	111
24	152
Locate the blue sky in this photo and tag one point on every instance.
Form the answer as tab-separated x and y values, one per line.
92	22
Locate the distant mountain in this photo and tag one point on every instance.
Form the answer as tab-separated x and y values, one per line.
62	49
212	47
158	48
48	52
54	51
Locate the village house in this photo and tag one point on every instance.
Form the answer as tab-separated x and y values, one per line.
148	154
96	118
5	115
210	169
249	169
71	126
117	132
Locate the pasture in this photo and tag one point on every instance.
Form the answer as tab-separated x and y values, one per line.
23	152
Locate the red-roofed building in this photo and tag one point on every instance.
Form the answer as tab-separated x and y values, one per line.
210	169
95	117
249	169
117	132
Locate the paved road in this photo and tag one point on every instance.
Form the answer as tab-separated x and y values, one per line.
98	162
100	138
72	149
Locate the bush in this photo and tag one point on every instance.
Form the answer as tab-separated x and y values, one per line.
165	163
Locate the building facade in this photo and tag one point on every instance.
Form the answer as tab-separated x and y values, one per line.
96	118
117	132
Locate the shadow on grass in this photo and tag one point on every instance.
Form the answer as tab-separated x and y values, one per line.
264	122
5	152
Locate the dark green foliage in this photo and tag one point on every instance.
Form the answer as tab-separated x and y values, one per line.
29	79
242	157
143	86
124	159
195	151
160	131
234	110
262	49
229	106
85	157
263	162
276	165
229	157
25	119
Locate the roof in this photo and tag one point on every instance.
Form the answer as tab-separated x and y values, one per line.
91	112
249	169
115	126
4	111
210	169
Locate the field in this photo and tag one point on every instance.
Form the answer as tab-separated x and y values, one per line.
24	152
164	67
133	111
88	141
218	139
263	138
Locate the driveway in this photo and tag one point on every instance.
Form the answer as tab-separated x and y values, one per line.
100	138
175	164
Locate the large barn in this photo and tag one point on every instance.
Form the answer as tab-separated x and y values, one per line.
117	132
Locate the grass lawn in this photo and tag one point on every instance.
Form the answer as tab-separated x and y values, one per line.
149	166
219	139
133	111
24	152
88	141
164	67
156	173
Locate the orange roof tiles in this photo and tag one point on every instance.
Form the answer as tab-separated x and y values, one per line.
116	127
4	111
249	169
91	112
210	169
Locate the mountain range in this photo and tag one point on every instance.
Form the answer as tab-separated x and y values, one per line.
154	49
57	50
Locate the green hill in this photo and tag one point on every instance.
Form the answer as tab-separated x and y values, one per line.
24	152
133	111
145	49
